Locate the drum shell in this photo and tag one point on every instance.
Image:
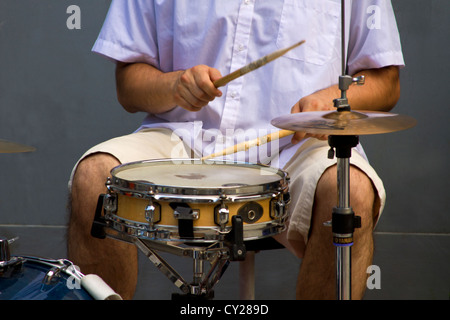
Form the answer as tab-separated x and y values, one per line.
134	209
127	203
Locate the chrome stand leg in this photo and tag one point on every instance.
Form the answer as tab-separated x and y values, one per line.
203	282
344	220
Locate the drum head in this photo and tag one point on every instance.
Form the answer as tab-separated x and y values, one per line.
189	176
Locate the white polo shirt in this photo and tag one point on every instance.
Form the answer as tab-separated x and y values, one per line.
229	34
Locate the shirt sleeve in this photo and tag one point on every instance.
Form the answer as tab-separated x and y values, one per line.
128	33
374	40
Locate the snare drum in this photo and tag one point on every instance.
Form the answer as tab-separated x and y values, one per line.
193	200
34	278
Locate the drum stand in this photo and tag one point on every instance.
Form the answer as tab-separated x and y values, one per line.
218	254
203	281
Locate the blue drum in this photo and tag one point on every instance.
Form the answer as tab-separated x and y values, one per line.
33	278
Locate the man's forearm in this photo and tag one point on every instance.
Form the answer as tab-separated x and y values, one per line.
141	87
380	92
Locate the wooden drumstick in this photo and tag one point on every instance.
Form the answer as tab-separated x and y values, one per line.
254	65
244	146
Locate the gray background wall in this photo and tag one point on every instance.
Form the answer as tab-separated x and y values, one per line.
57	96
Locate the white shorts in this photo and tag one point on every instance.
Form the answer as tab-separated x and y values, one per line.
305	169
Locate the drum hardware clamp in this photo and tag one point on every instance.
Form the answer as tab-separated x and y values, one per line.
186	217
235	239
186	213
104	202
6	261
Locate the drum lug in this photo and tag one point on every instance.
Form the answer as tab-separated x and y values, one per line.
221	216
278	207
110	203
152	213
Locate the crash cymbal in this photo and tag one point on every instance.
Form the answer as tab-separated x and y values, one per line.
11	147
344	122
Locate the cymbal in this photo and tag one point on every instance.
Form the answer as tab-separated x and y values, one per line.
11	147
344	122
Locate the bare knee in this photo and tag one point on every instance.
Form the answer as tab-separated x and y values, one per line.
94	170
362	193
88	183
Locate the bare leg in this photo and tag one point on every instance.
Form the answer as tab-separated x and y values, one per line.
317	272
114	261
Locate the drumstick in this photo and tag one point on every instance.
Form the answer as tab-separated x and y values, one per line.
254	65
244	146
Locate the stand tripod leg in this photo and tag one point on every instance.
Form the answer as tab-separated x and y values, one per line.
164	267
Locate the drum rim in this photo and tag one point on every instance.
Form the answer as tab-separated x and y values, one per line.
148	188
128	229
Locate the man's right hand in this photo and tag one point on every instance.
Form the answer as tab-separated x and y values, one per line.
195	88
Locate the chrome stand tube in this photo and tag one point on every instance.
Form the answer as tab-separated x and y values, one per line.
344	220
343	253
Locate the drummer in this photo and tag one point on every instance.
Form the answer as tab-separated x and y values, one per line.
167	55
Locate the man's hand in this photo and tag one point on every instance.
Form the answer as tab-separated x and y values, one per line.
143	88
195	88
318	101
380	92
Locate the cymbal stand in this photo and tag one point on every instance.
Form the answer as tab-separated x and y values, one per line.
343	220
